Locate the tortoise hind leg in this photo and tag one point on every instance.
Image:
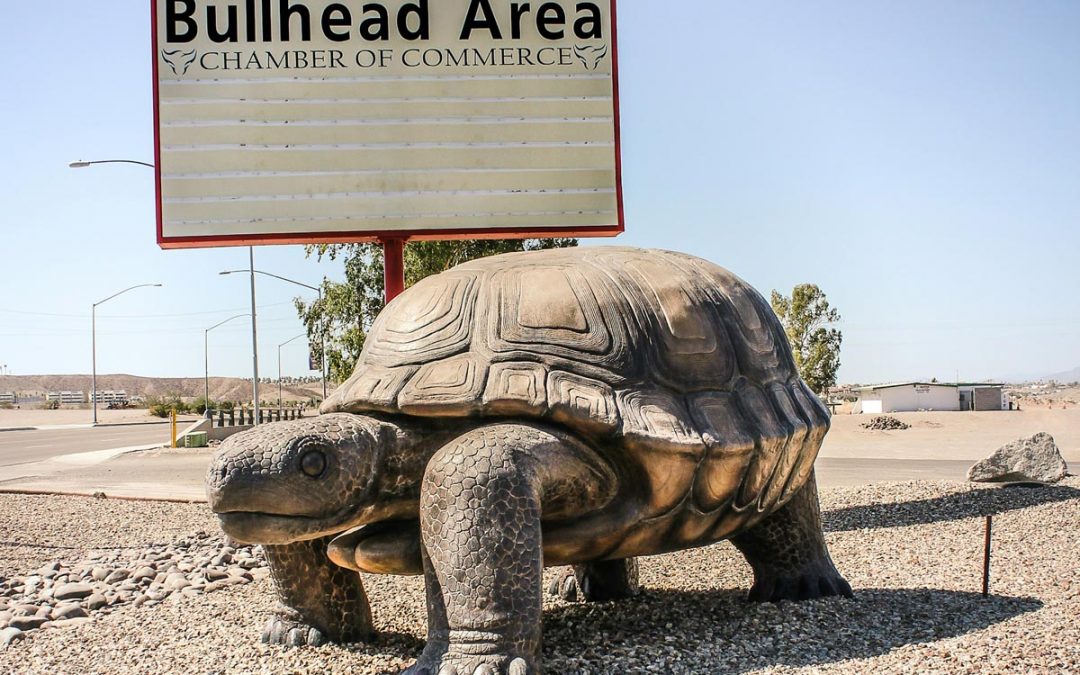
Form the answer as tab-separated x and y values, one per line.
788	554
599	581
318	601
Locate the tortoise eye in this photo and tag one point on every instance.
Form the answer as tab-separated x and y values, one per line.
313	463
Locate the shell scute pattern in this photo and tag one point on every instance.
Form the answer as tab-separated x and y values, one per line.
516	388
569	317
670	360
432	321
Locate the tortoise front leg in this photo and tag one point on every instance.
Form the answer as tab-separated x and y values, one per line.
318	601
481	503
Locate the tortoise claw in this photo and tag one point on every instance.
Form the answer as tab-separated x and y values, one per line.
279	631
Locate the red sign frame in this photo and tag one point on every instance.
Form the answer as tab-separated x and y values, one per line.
366	236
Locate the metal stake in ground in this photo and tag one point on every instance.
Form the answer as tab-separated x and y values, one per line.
986	558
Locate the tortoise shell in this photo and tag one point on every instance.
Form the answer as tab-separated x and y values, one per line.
670	362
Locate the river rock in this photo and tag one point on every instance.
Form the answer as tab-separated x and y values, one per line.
9	635
1034	459
74	591
25	623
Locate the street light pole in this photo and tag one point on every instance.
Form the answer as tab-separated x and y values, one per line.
279	365
254	338
93	342
206	358
322	340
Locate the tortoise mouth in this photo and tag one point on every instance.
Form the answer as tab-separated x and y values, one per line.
255	527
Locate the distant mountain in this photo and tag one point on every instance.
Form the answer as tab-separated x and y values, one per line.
1067	376
221	388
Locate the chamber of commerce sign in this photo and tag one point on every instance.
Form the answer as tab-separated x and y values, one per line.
286	121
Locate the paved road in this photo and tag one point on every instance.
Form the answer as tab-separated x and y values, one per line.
24	447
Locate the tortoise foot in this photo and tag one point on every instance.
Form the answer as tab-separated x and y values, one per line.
818	582
598	581
454	662
281	631
564	587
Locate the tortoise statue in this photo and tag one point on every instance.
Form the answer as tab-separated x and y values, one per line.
564	407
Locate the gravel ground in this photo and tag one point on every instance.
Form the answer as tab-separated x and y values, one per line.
912	551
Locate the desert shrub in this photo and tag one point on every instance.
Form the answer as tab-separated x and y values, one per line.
162	406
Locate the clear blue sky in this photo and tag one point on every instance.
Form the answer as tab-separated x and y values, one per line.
920	161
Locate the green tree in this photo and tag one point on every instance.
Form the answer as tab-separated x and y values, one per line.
346	311
807	316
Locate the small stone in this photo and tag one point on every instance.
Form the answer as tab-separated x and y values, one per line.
9	635
100	573
176	581
25	623
67	612
96	601
117	575
71	623
25	609
145	572
74	591
240	572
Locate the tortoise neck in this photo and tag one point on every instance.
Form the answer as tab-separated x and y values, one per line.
406	446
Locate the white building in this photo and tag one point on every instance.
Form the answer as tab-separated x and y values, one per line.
8	397
907	396
111	397
912	396
66	397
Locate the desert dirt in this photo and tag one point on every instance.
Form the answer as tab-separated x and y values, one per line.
967	436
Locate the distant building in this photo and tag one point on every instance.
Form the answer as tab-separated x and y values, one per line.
111	397
983	396
911	396
66	397
9	397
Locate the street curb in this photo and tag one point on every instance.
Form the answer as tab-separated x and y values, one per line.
61	427
93	495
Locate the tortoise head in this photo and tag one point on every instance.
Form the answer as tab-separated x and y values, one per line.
290	481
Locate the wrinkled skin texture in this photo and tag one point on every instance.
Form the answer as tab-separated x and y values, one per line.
288	486
319	602
788	555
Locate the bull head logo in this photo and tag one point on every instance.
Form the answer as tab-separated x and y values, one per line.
179	61
590	56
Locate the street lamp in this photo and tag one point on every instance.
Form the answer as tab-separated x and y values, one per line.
93	340
82	164
206	358
298	283
279	365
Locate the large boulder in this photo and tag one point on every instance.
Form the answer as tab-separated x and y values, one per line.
1034	459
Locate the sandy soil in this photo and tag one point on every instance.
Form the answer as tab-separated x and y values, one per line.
952	435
